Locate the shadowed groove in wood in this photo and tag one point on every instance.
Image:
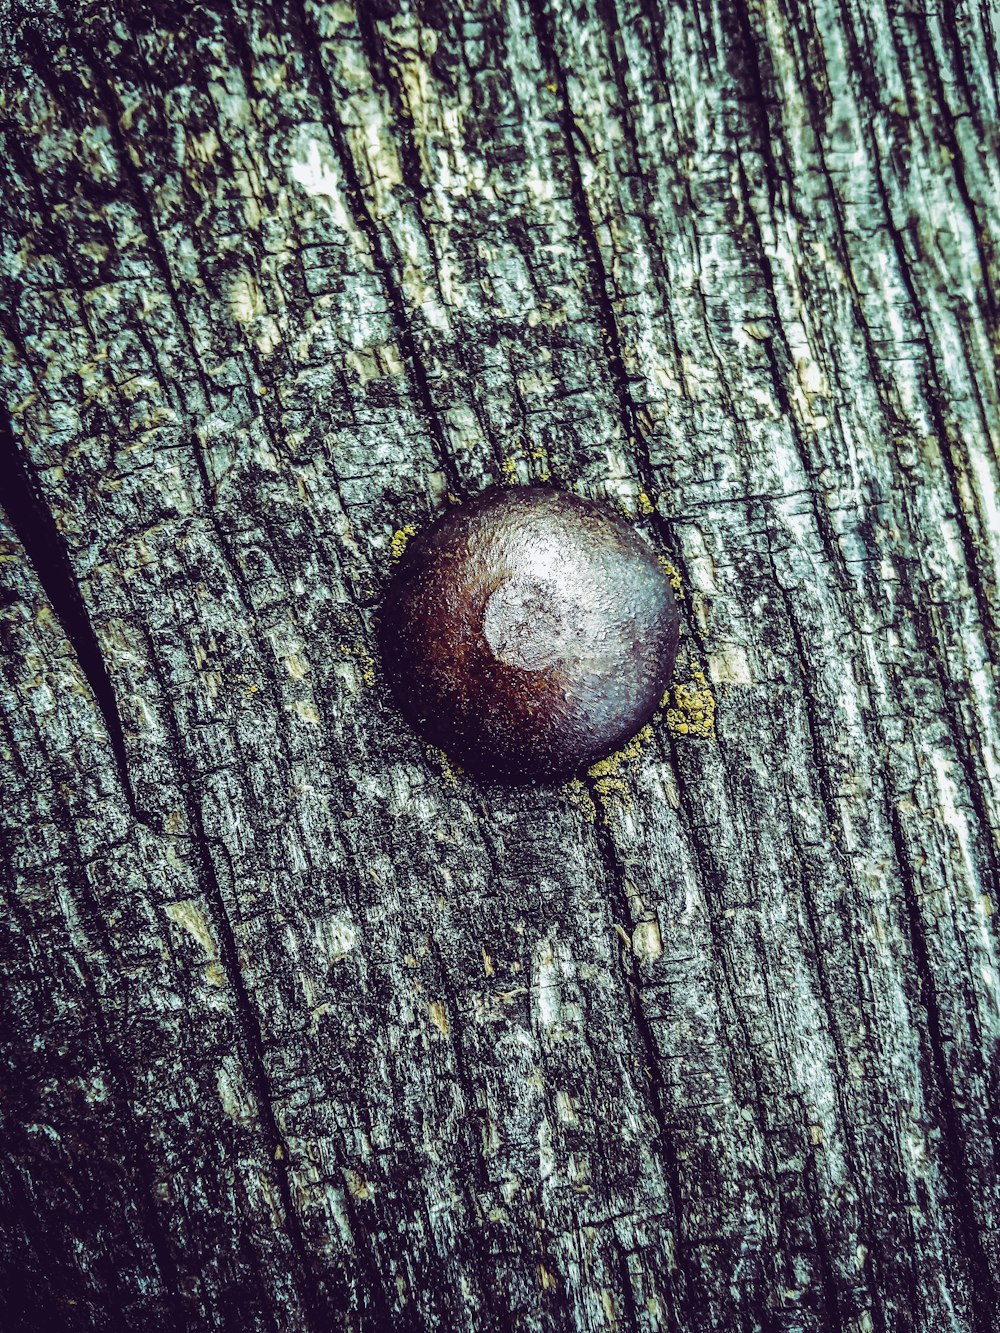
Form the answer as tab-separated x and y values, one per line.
336	1302
45	548
366	223
981	1275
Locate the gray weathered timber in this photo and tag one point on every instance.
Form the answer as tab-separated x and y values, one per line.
302	1030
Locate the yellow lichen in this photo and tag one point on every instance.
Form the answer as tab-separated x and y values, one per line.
535	462
673	575
606	768
357	1183
542	470
449	768
509	467
610	791
400	538
690	707
643	503
367	667
580	797
363	660
610	788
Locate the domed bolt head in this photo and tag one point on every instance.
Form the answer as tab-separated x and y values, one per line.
528	633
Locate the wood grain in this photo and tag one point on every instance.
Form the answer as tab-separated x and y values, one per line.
304	1030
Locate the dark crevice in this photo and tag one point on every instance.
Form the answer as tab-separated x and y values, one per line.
629	1310
821	956
640	449
933	393
756	105
588	237
366	224
639	169
744	1056
954	469
828	1297
921	36
620	911
109	101
947	686
983	1291
136	1155
950	468
106	95
495	1314
139	1194
265	369
32	1300
320	1307
37	531
385	73
749	47
601	285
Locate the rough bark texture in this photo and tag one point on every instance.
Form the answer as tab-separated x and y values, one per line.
303	1030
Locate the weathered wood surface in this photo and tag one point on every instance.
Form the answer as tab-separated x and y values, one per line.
300	1030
